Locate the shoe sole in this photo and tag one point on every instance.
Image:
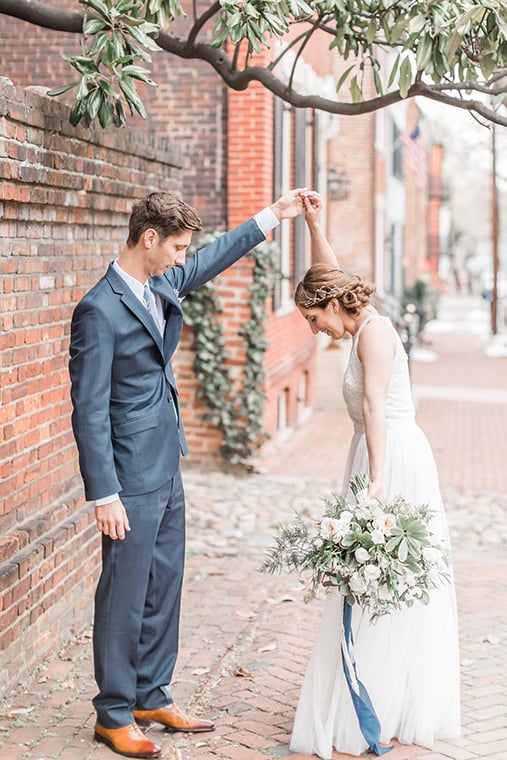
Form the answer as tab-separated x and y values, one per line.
103	740
145	723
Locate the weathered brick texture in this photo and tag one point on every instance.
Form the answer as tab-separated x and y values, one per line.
65	196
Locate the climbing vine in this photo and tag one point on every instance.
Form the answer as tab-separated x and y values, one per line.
238	419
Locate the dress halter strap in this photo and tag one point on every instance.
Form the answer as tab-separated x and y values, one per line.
364	323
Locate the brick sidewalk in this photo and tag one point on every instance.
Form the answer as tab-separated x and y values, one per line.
246	637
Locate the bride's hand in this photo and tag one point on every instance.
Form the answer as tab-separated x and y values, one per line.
313	206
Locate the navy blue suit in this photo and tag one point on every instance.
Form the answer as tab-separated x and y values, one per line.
127	425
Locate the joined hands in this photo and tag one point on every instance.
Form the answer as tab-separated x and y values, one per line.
295	202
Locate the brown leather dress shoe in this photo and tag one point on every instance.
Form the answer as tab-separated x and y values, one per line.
129	741
173	718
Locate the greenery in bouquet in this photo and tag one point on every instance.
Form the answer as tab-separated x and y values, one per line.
381	556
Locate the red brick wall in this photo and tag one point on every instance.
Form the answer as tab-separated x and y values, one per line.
65	195
351	221
188	106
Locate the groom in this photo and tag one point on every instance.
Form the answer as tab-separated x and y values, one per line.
129	434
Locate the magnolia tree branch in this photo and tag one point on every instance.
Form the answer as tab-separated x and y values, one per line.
40	14
239	79
189	47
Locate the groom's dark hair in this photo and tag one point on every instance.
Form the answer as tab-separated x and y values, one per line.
166	213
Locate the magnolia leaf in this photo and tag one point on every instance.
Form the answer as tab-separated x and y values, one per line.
405	77
371	33
106	114
403	550
62	89
94	102
100	7
355	90
424	51
94	25
417	23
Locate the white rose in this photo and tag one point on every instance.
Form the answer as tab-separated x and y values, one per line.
357	585
346	517
361	555
377	537
385	522
328	527
371	572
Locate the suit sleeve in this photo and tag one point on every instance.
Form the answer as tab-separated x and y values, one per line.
91	352
216	257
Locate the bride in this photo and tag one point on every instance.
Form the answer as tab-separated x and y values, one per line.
407	661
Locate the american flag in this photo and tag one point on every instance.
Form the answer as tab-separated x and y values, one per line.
415	155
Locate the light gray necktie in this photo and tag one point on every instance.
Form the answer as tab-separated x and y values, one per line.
147	300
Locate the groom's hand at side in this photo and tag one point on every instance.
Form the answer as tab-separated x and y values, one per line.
112	520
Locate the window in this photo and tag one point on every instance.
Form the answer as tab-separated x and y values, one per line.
293	167
283	172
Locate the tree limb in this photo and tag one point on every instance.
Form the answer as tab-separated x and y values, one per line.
239	79
201	21
40	14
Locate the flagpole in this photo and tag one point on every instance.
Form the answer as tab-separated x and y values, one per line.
494	232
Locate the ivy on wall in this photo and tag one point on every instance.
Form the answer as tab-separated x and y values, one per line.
238	419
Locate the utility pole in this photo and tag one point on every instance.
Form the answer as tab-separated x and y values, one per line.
494	232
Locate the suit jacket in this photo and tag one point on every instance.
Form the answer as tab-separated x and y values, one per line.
126	417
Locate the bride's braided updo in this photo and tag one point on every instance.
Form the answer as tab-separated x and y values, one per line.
322	283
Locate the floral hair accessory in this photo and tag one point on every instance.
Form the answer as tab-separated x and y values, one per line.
323	294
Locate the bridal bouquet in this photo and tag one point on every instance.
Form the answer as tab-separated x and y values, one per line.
380	556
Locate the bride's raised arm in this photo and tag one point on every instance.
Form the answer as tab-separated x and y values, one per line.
322	253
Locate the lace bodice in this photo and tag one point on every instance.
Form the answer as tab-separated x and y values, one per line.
399	406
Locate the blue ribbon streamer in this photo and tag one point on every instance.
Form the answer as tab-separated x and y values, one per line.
366	715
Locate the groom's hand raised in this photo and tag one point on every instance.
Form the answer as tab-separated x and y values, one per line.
291	203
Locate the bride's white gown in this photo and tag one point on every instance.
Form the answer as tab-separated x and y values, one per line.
408	661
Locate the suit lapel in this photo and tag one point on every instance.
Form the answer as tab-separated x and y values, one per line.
134	305
173	313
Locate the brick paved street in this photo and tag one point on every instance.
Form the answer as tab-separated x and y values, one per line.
246	637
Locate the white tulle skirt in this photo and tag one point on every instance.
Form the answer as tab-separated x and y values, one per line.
408	661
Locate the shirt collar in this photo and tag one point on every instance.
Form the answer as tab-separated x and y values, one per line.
135	286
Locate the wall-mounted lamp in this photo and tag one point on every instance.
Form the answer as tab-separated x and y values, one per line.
338	184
